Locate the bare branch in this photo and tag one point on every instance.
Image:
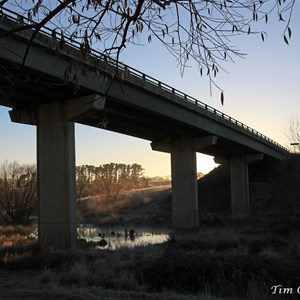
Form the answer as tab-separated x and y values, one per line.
192	31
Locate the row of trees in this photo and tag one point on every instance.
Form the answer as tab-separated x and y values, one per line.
18	186
108	179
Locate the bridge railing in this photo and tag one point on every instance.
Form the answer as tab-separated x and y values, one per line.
232	122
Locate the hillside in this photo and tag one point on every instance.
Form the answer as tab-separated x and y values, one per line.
273	185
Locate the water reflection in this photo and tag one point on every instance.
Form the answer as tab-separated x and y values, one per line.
115	238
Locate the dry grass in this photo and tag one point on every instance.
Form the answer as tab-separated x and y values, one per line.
27	285
14	236
142	206
238	259
26	273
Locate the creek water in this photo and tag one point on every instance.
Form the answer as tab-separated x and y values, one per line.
118	237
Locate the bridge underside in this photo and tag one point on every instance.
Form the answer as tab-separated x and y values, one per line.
125	110
131	107
56	155
30	89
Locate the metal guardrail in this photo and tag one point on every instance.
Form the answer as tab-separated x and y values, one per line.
150	80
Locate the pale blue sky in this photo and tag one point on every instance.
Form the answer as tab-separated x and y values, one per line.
261	91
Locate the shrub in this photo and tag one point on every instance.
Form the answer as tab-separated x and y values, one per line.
184	272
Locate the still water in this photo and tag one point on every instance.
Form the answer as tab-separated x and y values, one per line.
117	237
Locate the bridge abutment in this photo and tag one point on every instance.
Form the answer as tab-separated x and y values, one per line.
184	177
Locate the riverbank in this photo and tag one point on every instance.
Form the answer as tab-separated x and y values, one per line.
149	207
227	258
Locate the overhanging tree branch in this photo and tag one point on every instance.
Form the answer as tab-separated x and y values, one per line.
199	31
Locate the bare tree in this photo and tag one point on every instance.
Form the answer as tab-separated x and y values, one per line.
292	133
18	192
109	180
200	30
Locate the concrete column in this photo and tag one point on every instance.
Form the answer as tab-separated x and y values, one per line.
184	176
56	163
239	186
184	185
56	176
240	182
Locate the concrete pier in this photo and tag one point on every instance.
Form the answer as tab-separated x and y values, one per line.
56	164
239	182
184	185
184	177
56	174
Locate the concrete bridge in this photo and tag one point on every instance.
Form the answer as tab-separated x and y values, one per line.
109	95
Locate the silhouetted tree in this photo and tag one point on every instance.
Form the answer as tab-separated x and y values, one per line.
83	182
18	192
190	30
109	179
292	133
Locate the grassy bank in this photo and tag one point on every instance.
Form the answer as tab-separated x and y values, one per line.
226	258
148	207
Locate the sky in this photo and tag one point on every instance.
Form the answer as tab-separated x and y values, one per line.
261	90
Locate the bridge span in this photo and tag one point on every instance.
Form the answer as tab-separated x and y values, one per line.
51	85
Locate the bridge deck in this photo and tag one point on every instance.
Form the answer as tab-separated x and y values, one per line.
135	104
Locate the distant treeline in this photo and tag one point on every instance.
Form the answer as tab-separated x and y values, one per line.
18	186
109	179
